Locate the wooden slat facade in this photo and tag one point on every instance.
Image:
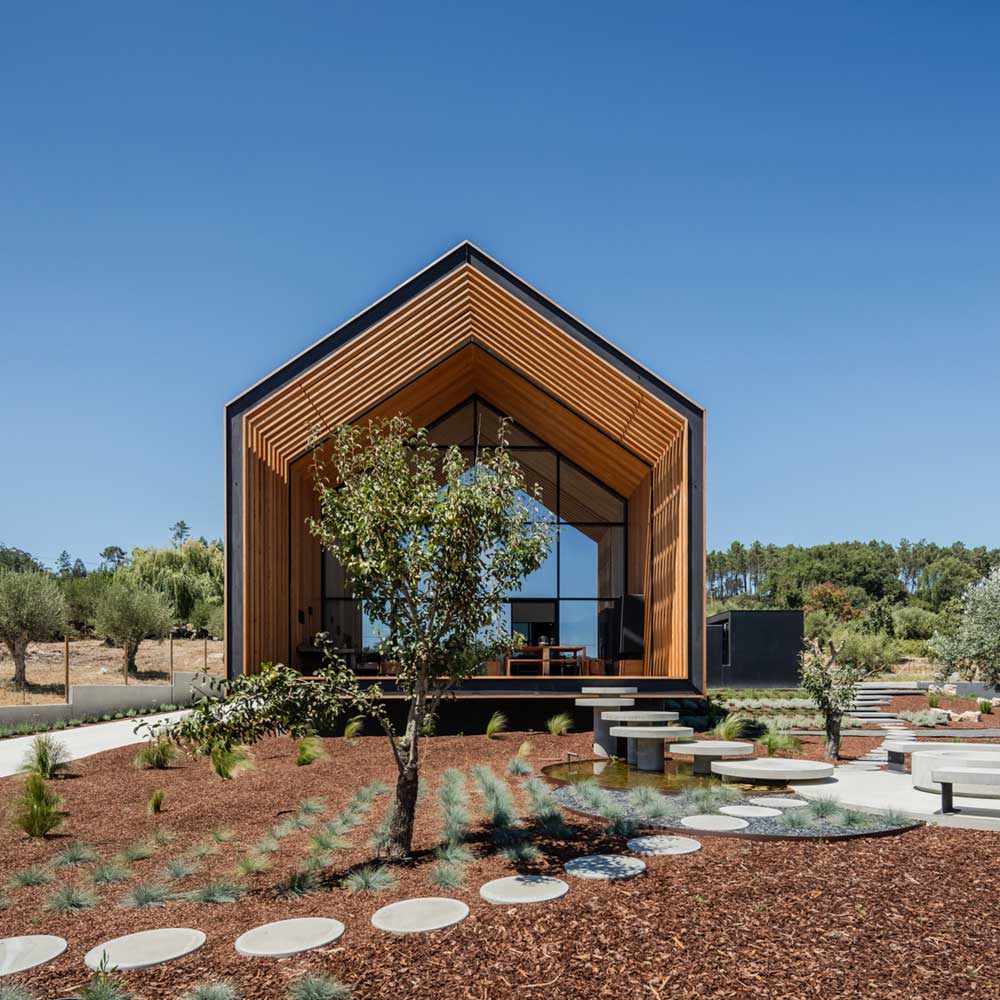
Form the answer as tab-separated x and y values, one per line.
465	334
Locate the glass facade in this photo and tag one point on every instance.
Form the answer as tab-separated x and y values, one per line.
561	603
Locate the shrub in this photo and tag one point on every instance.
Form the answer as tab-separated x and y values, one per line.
147	894
319	988
933	699
110	874
497	726
218	893
156	755
128	612
620	823
155	803
103	985
521	853
518	767
310	751
70	899
212	991
297	885
28	877
48	757
37	809
928	718
447	876
32	609
230	762
559	724
914	623
985	706
370	878
184	574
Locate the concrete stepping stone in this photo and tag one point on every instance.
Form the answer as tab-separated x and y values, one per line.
662	844
773	769
749	812
711	823
25	952
777	802
145	948
418	916
605	867
289	937
706	751
604	744
520	889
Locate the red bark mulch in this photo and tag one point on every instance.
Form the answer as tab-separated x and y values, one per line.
899	918
918	703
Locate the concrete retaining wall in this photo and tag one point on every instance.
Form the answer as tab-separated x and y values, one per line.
87	701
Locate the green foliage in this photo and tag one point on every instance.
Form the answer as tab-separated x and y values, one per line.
446	876
157	754
777	741
985	706
819	625
914	623
230	761
48	757
933	699
870	654
878	619
129	612
310	750
28	877
520	853
518	767
647	802
974	647
833	600
155	804
453	853
36	810
70	899
945	579
75	854
82	594
319	988
370	879
32	609
497	726
15	991
185	575
853	819
146	894
103	985
217	893
252	864
221	834
730	727
312	807
110	873
297	884
212	991
179	868
820	808
926	719
354	728
620	823
559	724
796	819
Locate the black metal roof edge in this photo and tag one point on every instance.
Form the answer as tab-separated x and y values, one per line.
465	253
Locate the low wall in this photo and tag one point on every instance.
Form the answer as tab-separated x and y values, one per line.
87	701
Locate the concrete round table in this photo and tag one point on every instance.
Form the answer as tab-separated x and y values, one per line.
603	743
706	751
649	742
638	718
773	769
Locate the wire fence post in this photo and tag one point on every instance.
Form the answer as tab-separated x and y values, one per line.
66	664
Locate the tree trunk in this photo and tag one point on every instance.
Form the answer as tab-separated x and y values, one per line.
131	648
833	721
18	652
404	809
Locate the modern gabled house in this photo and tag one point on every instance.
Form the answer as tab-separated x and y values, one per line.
618	453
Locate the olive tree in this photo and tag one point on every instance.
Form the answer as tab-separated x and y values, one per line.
973	648
128	612
431	548
830	671
32	609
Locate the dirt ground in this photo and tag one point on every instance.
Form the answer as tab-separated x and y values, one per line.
897	918
93	662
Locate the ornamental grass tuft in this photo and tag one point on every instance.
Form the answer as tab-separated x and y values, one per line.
559	724
37	809
319	988
369	879
47	757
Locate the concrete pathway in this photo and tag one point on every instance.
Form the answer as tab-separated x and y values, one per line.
84	741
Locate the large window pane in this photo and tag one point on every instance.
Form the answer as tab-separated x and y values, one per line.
578	625
455	428
350	627
543	582
538	467
334	579
582	498
489	423
591	560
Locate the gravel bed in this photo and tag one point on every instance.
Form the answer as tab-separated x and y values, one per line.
767	826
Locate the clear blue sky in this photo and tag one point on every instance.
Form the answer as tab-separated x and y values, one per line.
790	211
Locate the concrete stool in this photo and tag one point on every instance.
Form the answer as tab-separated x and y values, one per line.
649	742
638	718
705	751
603	745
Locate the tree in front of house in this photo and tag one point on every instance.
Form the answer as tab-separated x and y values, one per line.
128	612
432	549
830	671
32	609
972	645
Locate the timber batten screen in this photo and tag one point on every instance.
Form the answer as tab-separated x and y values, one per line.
463	328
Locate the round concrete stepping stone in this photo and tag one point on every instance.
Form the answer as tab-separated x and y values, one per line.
749	812
773	769
519	889
777	802
289	937
145	948
20	953
416	916
714	824
605	866
663	844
